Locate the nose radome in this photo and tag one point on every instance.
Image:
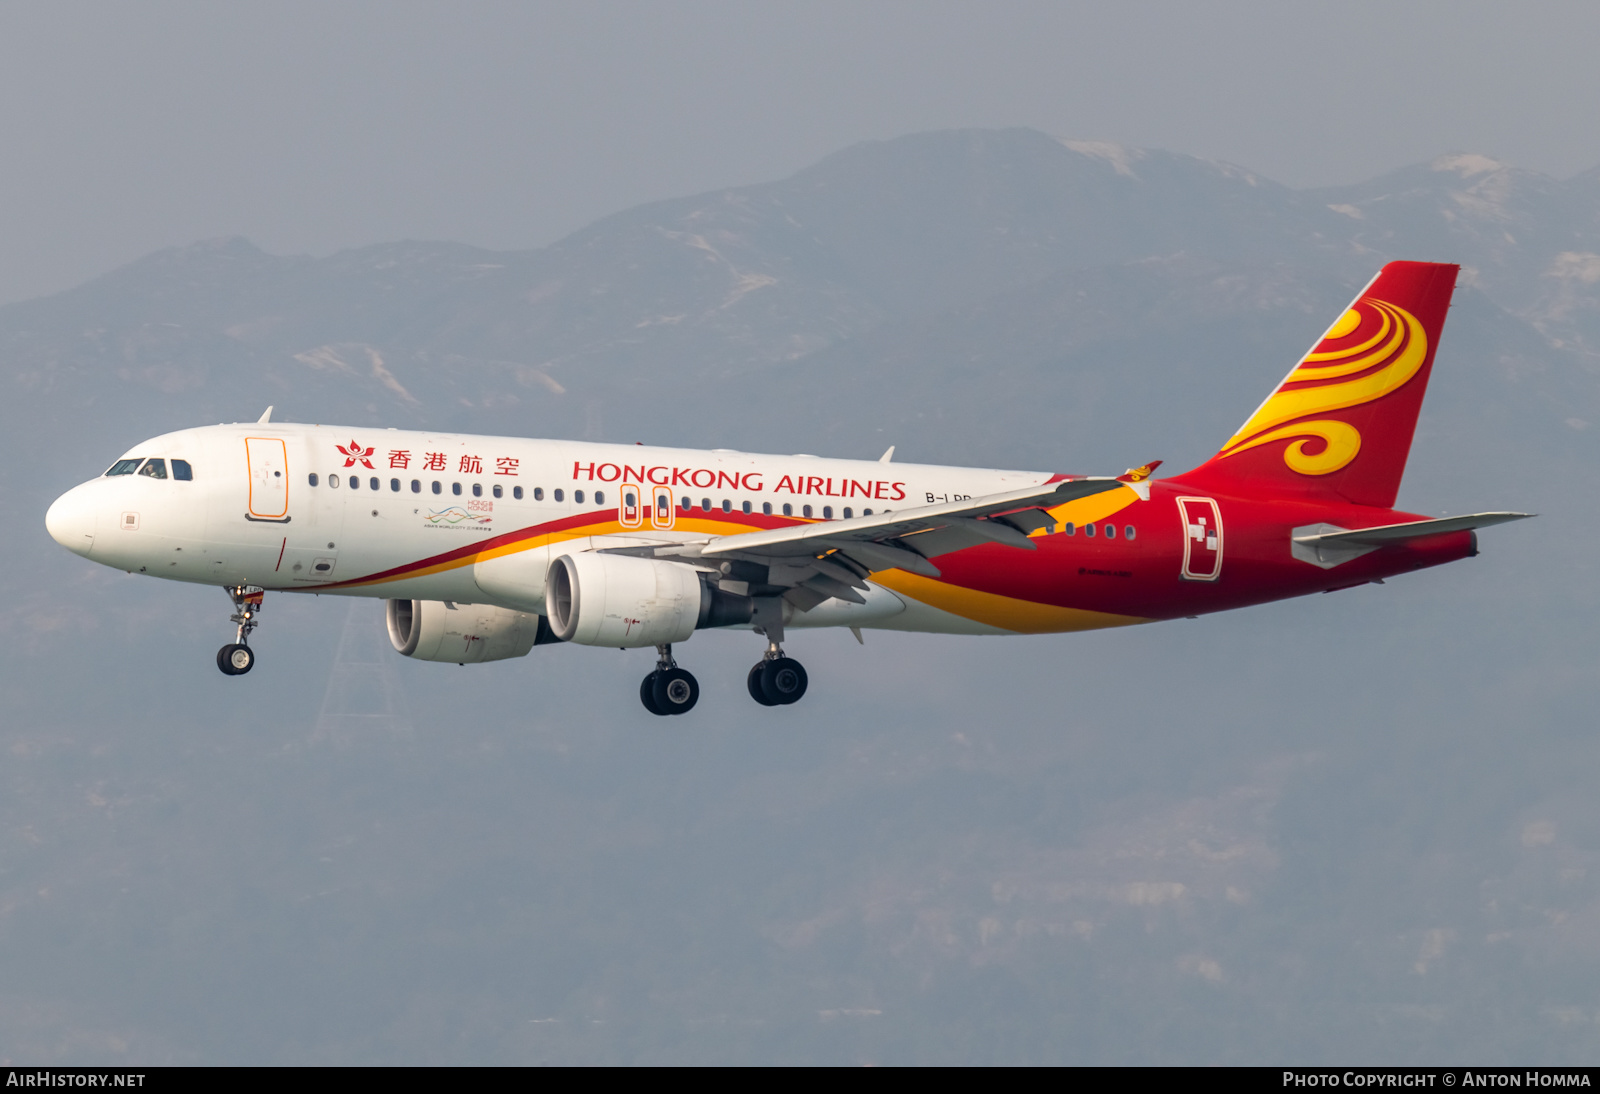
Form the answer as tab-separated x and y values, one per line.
71	521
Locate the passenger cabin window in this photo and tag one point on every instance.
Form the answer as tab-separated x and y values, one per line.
1088	530
559	495
155	469
437	489
498	490
416	486
125	467
766	508
846	512
686	503
477	489
727	506
1070	528
746	507
788	510
333	481
827	512
1127	531
807	511
312	478
1111	531
599	497
455	488
538	493
516	492
355	482
394	486
182	471
577	497
373	483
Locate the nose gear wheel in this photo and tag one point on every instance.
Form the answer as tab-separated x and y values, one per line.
237	658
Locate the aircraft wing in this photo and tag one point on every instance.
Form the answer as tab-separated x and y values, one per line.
923	531
813	562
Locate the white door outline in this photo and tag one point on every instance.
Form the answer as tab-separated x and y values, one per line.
1202	538
268	461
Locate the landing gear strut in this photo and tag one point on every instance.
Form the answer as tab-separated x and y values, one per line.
669	689
236	658
777	679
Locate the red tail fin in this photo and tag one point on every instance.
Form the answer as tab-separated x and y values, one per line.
1340	424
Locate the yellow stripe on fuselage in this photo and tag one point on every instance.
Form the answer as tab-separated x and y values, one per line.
994	610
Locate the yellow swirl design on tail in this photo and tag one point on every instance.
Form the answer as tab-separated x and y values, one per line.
1400	346
1341	439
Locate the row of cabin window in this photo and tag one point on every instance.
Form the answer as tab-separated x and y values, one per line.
498	491
1128	530
766	508
153	469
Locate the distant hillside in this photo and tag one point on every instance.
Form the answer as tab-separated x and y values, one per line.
1359	826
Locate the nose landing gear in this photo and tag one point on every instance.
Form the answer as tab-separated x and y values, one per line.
236	658
669	689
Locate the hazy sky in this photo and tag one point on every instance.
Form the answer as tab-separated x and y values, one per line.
311	127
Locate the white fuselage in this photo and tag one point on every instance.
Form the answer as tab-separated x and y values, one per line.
436	516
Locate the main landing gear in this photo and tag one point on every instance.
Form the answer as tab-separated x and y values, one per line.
236	658
776	680
669	689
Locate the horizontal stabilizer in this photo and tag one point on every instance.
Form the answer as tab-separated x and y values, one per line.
1330	548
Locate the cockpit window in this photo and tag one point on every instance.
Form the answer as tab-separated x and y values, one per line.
125	467
155	469
182	471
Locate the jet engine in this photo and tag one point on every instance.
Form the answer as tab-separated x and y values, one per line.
434	630
598	599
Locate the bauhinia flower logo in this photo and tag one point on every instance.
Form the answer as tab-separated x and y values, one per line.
355	453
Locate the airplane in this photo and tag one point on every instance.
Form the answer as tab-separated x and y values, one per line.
485	547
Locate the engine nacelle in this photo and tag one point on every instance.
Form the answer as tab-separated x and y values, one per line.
431	630
597	599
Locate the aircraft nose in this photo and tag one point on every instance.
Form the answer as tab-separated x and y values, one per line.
71	521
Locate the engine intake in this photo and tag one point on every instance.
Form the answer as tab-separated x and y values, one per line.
597	599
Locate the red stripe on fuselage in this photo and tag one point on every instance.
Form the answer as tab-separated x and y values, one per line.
599	517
